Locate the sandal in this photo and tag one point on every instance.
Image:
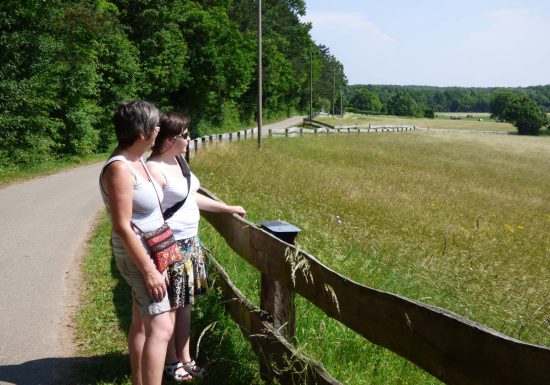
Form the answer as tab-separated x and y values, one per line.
171	371
196	371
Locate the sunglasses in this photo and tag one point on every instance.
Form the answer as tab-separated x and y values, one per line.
183	135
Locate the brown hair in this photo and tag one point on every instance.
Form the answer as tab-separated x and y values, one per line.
171	124
132	119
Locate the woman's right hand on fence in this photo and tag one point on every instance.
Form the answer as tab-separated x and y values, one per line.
156	284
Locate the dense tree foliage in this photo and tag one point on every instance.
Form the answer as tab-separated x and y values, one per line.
446	99
519	110
66	64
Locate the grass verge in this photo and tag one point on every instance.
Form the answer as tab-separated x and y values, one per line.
14	173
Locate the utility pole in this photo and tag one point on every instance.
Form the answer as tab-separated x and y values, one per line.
260	73
333	90
341	102
310	85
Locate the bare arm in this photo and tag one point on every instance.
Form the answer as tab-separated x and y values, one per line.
208	204
119	184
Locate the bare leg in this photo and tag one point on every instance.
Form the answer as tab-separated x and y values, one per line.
136	339
158	330
182	331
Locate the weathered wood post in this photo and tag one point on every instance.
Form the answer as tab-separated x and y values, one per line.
286	132
270	132
275	298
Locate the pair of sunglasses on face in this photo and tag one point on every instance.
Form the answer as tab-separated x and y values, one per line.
183	135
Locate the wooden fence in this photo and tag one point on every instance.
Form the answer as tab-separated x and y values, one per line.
453	349
196	144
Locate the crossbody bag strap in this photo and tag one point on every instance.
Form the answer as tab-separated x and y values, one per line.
187	174
156	193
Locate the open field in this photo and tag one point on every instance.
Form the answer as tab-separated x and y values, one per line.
442	121
459	222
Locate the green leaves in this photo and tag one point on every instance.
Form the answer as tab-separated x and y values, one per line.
519	110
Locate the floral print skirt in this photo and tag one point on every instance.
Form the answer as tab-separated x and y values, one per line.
189	277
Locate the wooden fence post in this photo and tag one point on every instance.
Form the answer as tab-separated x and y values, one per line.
196	143
301	131
275	298
270	133
238	135
286	132
315	130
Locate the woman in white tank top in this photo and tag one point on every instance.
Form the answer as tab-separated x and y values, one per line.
188	278
130	194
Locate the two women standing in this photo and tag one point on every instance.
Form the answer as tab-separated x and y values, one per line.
132	192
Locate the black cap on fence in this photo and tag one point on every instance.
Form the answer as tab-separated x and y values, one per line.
281	229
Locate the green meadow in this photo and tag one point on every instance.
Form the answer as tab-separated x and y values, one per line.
442	121
458	221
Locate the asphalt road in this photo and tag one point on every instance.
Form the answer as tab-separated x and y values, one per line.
43	226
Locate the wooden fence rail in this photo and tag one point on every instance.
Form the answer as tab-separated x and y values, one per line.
196	144
450	347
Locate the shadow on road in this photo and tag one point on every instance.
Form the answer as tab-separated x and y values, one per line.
109	368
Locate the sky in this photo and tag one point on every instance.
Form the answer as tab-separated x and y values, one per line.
464	43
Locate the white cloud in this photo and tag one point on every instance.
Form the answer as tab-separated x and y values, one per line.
350	25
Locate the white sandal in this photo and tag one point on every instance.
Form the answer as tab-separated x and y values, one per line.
193	369
171	370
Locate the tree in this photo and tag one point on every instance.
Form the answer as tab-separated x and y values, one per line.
523	113
365	100
401	104
498	104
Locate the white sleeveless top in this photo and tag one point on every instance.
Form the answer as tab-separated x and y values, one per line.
146	212
185	222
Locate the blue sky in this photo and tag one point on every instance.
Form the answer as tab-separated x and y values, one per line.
464	43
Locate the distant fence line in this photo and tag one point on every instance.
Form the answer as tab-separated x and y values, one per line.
196	144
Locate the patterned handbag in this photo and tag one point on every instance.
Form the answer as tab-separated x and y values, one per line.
160	242
162	246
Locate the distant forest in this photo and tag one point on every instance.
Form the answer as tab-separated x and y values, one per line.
384	98
66	65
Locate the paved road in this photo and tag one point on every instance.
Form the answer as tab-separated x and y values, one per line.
43	225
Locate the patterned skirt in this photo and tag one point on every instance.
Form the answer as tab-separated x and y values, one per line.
188	278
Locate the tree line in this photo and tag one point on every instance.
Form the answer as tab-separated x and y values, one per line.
67	64
416	99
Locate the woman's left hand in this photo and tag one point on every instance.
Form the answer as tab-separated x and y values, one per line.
238	210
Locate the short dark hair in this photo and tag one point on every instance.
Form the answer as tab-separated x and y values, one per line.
171	124
132	119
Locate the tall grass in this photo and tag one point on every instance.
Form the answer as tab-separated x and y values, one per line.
456	221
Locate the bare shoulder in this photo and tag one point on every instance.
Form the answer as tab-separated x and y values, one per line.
117	174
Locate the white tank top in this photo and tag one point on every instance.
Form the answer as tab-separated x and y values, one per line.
146	212
185	222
